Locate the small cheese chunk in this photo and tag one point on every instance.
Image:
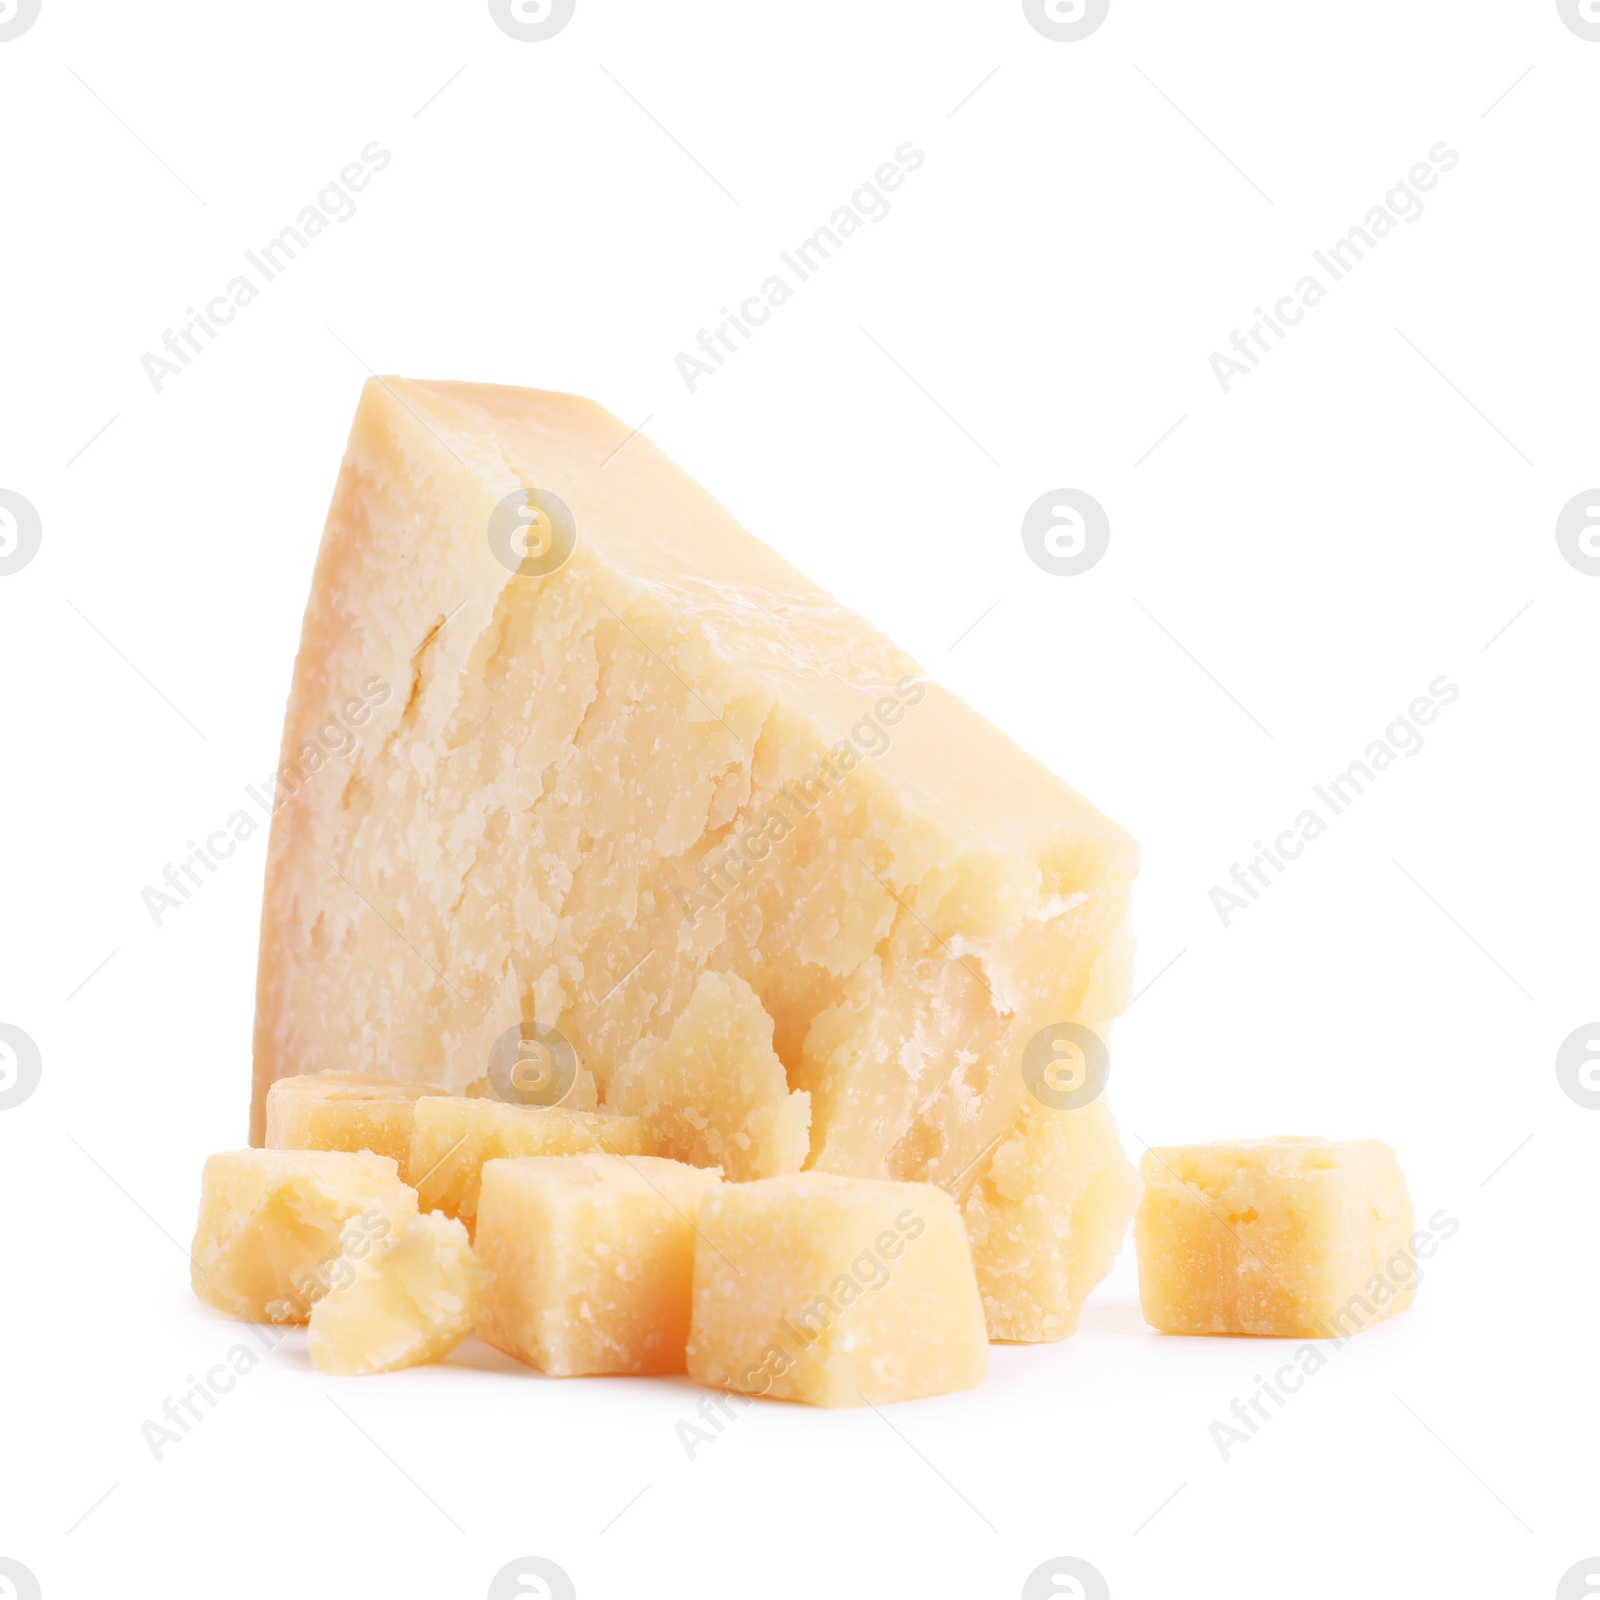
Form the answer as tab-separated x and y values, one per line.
589	1261
1296	1237
835	1291
1047	1219
279	1228
343	1111
454	1137
713	1091
412	1300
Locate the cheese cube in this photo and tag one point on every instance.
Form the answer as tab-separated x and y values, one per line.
1297	1237
454	1137
343	1111
412	1300
605	743
589	1261
279	1228
713	1091
834	1291
1047	1218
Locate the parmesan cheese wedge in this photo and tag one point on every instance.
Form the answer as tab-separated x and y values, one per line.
631	751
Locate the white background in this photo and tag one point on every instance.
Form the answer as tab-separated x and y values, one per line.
1372	507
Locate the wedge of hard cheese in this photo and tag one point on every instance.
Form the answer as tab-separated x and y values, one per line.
628	746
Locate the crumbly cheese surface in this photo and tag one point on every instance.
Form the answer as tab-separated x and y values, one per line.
1293	1236
453	1138
834	1291
410	1301
279	1228
344	1111
713	1091
589	1261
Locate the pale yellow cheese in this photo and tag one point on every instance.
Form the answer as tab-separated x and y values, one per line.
1294	1236
454	1137
1047	1218
589	1260
713	1091
343	1111
670	755
279	1228
834	1291
412	1300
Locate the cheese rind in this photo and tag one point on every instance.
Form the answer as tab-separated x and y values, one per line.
834	1291
1047	1218
344	1111
713	1091
1294	1237
672	755
279	1228
589	1261
453	1138
412	1300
